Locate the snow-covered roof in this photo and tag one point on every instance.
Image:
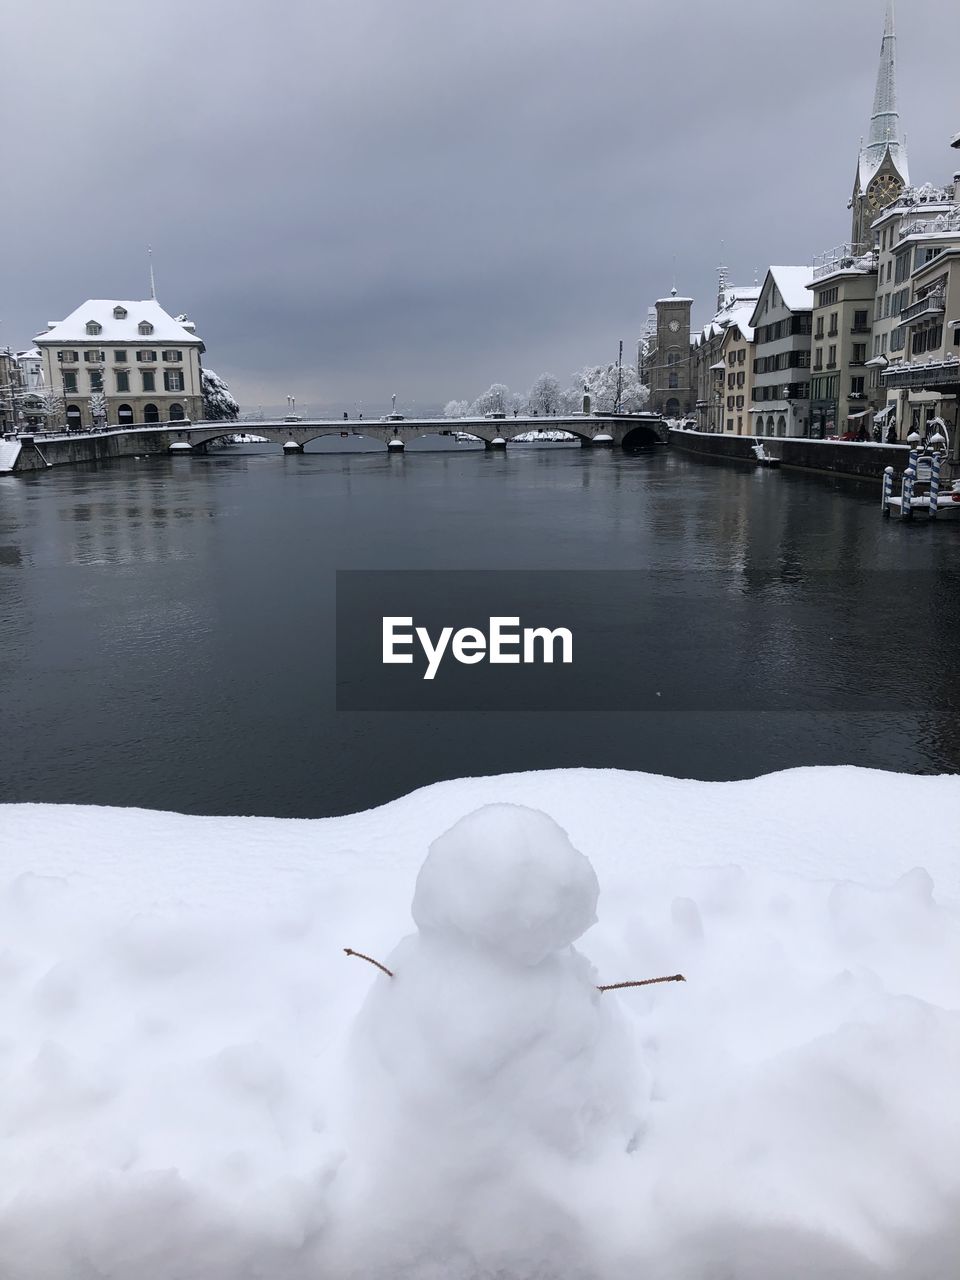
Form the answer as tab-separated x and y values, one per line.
792	284
673	299
114	329
32	354
740	316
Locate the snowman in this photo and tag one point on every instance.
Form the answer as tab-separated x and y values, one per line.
486	1059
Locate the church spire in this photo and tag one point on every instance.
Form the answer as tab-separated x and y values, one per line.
885	121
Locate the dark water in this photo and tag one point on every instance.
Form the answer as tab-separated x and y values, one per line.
167	628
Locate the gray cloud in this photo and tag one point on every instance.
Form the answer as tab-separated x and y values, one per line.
425	197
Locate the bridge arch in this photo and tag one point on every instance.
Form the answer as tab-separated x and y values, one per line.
643	436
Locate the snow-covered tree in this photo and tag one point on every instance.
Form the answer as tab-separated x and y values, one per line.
52	408
518	403
493	400
98	407
544	395
218	404
601	384
456	408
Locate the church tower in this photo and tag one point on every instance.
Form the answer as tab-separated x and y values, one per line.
882	171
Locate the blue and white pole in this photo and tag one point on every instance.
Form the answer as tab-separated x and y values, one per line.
906	492
934	483
887	491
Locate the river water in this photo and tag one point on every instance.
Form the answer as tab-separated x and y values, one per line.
167	635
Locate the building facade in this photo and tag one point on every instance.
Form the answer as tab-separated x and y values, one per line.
718	391
123	363
918	237
782	321
843	398
736	361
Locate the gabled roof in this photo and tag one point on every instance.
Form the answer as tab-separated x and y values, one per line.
100	310
741	316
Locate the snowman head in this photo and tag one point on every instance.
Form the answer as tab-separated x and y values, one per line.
507	879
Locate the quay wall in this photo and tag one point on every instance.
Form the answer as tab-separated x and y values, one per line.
862	461
62	450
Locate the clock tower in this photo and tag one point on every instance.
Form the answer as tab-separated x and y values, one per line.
882	171
669	369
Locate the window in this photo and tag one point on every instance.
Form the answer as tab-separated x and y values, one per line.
173	380
898	338
818	358
68	357
889	269
149	380
96	380
833	324
144	328
739	402
856	386
741	376
673	382
819	332
827	297
70	382
732	358
146	357
119	313
729	402
93	328
859	353
176	413
861	320
832	356
741	356
876	344
123	380
903	267
94	357
956	337
731	379
173	357
120	357
729	424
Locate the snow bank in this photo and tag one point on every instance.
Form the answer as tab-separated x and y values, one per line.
197	1083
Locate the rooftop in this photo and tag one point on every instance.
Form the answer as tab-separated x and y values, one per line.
116	327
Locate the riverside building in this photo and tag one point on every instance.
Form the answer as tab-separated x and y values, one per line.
123	363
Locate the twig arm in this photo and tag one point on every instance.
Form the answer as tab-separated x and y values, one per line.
369	959
645	982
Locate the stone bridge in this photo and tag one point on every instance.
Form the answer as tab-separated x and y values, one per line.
638	430
49	449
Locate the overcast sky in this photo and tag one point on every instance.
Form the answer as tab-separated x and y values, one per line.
424	196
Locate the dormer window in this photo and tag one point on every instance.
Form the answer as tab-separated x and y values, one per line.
93	328
119	313
144	328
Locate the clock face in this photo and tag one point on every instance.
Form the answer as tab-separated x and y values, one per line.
674	326
883	190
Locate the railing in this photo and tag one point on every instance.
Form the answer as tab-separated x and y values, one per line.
942	223
845	257
931	305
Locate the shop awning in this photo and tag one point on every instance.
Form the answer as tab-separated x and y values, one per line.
878	362
884	414
855	417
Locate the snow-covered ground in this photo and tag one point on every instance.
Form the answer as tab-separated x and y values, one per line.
197	1084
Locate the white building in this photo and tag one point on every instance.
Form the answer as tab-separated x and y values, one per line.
145	364
782	324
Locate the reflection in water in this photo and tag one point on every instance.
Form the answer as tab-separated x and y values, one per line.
168	630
